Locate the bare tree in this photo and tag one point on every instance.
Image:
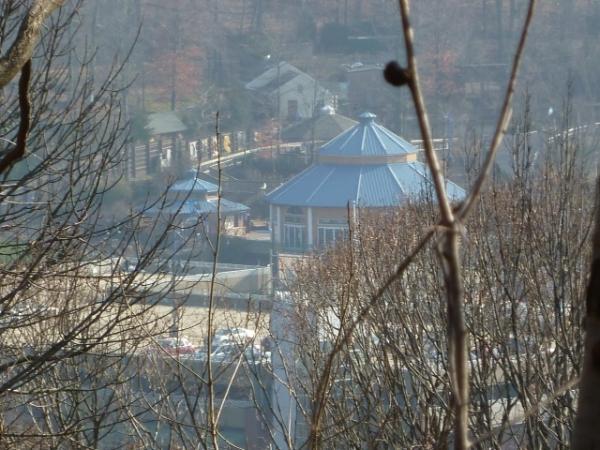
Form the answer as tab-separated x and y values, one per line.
388	387
78	282
382	362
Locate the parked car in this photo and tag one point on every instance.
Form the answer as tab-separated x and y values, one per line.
230	351
176	346
235	335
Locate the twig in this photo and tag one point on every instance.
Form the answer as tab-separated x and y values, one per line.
450	244
503	120
212	413
533	409
450	250
346	334
422	117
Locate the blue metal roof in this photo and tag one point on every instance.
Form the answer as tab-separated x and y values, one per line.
368	181
367	139
332	185
192	207
195	185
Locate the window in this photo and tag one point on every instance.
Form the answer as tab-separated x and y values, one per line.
332	230
294	229
165	157
293	236
292	109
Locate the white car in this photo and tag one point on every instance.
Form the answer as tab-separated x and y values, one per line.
230	352
236	335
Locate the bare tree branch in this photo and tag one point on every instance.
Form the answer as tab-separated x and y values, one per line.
503	120
450	244
415	90
18	151
22	48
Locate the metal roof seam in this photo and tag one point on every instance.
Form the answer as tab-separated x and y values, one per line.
364	138
423	173
353	131
400	185
194	185
406	146
320	185
358	185
286	186
420	165
372	182
342	137
385	149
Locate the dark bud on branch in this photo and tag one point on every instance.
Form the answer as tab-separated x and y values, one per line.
396	75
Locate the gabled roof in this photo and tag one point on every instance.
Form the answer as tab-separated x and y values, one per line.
381	185
272	74
277	83
321	128
367	138
165	122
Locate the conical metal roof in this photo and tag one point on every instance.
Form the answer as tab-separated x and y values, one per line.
195	185
369	185
367	139
367	165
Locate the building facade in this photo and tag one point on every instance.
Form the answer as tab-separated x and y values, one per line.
289	93
366	166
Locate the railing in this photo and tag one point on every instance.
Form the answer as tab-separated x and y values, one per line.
438	144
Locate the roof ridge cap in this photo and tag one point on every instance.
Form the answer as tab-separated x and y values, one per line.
321	184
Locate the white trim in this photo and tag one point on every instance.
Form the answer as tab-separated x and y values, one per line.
293	236
309	224
329	234
277	228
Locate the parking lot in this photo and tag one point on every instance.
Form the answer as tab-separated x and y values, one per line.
192	321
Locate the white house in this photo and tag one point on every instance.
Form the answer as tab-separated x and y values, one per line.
289	92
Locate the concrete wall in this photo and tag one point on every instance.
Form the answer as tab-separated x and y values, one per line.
230	278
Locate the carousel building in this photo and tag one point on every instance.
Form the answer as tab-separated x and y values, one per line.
366	166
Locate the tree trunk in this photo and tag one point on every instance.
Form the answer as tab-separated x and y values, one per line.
587	425
29	32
